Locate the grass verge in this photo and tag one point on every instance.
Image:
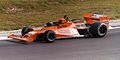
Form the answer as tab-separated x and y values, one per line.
14	14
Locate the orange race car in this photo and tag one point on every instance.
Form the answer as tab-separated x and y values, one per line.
96	26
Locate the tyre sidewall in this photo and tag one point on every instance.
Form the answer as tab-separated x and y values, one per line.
102	25
47	36
25	30
95	29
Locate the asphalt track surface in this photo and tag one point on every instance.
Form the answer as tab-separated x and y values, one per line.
106	48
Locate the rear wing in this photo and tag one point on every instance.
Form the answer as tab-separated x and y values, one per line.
91	18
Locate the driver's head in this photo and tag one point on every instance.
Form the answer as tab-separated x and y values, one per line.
62	20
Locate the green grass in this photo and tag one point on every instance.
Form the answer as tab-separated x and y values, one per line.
14	14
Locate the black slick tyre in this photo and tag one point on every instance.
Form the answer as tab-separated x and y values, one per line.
98	29
25	30
49	36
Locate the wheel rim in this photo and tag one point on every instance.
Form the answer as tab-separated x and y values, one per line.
51	36
103	30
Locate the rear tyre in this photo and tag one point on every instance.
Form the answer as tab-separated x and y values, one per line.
25	30
98	29
49	36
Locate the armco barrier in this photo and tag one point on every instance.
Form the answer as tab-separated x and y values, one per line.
3	34
115	23
17	32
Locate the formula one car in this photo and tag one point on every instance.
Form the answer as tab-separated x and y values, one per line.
95	26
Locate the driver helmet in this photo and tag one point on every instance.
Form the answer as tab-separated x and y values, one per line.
62	20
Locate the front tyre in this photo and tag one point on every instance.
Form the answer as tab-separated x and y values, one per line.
49	36
25	30
98	29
